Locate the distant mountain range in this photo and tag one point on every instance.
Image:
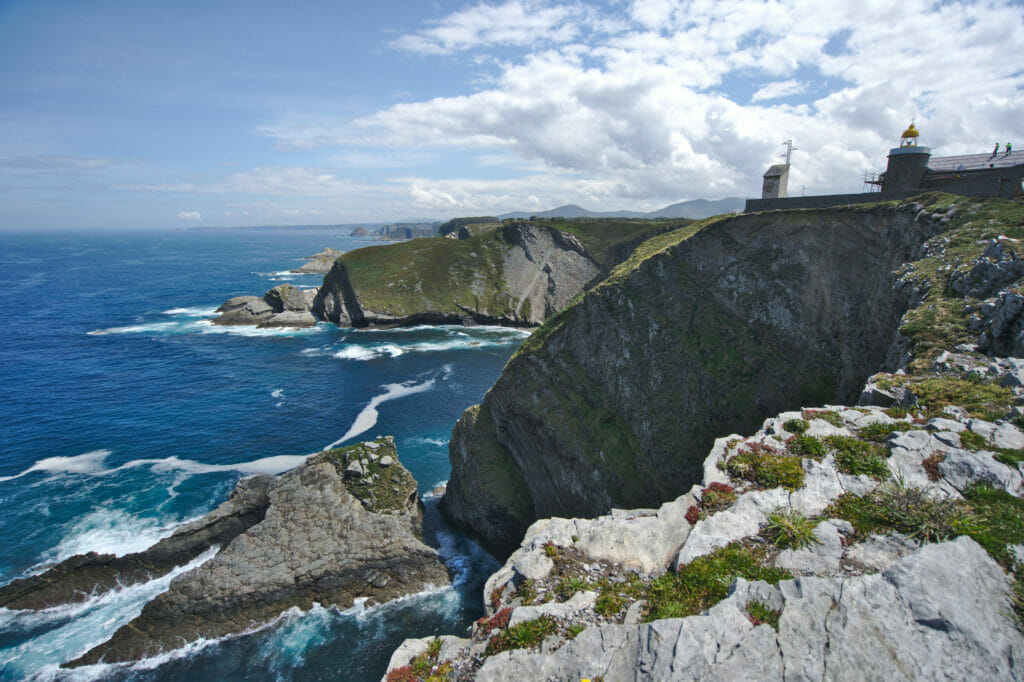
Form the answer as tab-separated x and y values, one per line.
697	208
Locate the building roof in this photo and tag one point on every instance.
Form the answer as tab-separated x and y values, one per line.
976	161
910	132
776	170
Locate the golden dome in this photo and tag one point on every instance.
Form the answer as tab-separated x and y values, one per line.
910	132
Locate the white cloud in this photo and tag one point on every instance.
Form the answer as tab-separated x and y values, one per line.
190	215
779	89
515	22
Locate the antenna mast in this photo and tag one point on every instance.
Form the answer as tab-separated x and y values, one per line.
788	144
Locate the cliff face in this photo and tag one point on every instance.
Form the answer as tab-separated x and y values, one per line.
703	331
518	275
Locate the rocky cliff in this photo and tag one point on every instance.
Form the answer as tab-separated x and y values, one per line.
319	263
833	543
702	331
283	306
516	274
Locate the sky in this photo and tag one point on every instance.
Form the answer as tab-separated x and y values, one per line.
159	114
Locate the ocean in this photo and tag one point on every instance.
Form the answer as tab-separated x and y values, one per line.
126	414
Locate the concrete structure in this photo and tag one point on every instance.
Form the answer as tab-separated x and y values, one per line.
911	169
776	182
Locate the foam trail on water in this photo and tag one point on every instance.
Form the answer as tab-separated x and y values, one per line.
198	311
90	463
368	417
109	531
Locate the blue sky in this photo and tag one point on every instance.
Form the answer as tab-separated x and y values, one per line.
175	114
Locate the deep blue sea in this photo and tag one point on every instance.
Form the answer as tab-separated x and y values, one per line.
126	413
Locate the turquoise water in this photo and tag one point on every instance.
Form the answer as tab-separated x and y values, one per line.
126	414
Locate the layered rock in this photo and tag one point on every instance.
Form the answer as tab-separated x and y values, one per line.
702	331
518	275
283	306
319	263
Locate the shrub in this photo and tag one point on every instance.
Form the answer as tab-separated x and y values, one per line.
764	466
796	426
693	514
931	465
806	446
878	432
760	613
790	529
857	457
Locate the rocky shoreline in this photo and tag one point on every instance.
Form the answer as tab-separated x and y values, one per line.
344	525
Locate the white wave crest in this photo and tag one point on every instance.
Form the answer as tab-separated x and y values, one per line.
277	393
199	311
87	624
201	324
109	531
368	416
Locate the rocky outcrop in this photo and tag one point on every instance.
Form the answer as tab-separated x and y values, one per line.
856	598
83	575
703	331
343	526
319	263
518	275
283	306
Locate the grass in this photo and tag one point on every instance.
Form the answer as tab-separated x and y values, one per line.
525	635
978	397
705	581
789	529
897	507
574	629
829	416
382	489
760	613
973	441
999	521
569	586
857	457
527	591
878	432
806	446
765	466
608	604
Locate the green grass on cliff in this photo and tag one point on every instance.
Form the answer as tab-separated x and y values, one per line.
435	274
940	322
600	234
382	489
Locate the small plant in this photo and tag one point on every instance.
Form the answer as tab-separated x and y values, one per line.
574	629
693	514
830	416
790	529
896	412
567	587
498	621
434	648
402	674
931	465
528	591
551	549
806	446
764	466
760	613
974	394
857	457
878	432
608	604
717	496
969	440
796	426
496	596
